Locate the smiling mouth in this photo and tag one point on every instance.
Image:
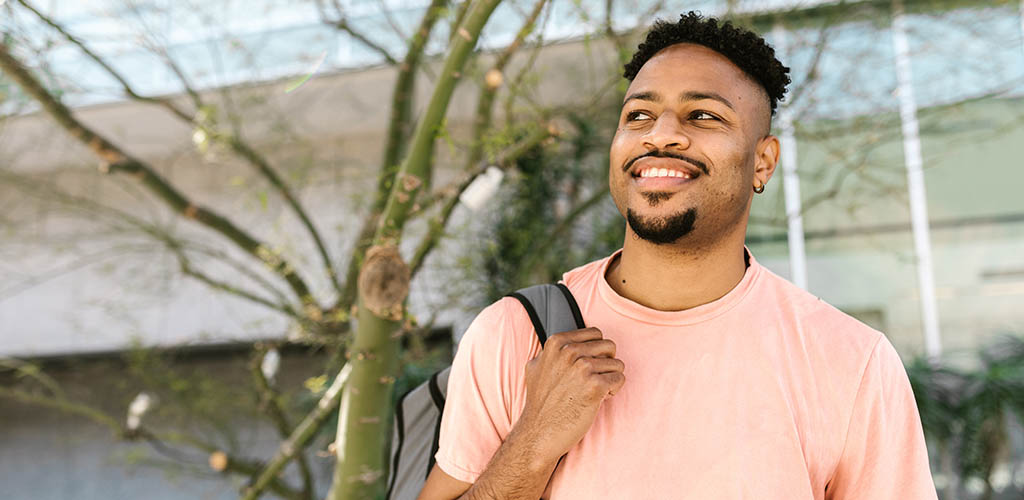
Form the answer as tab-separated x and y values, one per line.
663	173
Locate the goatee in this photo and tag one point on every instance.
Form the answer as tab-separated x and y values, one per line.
662	230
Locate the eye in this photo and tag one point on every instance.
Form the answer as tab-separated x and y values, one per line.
703	115
634	116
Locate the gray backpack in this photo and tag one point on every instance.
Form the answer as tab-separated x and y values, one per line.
417	425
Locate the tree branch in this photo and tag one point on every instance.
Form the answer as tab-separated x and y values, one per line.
460	15
235	464
399	125
341	23
188	270
270	402
515	84
563	226
232	140
453	191
485	103
812	70
261	164
238	266
417	164
362	419
169	105
115	160
392	22
301	435
178	246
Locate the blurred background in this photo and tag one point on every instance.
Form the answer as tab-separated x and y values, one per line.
187	190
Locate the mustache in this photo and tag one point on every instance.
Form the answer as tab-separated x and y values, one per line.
657	153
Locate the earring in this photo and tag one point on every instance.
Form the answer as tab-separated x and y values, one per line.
759	189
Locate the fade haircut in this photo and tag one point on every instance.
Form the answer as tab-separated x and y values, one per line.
745	49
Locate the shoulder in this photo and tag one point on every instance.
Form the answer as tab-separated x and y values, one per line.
501	330
813	315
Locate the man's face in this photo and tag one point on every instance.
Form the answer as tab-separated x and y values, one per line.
691	133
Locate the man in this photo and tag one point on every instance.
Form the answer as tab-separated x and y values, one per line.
702	375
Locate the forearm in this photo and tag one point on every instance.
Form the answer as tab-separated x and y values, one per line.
518	471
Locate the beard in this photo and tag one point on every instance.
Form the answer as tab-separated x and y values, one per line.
662	230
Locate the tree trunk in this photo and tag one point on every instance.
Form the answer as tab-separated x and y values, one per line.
364	422
383	286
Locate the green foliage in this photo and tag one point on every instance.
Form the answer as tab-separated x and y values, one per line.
967	410
209	403
417	369
552	213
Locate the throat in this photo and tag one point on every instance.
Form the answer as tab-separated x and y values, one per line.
675	283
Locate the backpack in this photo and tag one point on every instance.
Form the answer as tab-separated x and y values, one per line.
417	421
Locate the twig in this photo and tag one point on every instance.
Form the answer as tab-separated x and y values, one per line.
270	401
188	270
103	64
116	160
233	140
437	224
301	435
341	23
235	464
399	126
564	225
178	246
30	370
482	121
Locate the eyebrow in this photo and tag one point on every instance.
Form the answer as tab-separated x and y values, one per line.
685	96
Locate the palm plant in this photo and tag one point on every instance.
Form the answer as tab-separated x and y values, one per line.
964	413
989	393
937	390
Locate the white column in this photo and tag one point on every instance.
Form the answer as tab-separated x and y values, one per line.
790	179
915	182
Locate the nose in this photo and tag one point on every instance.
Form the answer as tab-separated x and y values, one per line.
666	133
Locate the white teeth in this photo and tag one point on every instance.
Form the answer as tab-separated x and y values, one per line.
663	172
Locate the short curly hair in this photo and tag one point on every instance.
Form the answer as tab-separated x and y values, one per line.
745	49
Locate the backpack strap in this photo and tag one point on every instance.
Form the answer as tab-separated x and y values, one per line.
552	309
437	394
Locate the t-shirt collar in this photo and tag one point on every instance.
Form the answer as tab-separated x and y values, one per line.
693	315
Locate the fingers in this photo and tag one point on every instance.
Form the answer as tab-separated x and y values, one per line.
614	381
591	348
574	336
600	365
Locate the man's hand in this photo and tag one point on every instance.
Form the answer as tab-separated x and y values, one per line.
565	386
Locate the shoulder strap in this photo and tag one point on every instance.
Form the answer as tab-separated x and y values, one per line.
552	309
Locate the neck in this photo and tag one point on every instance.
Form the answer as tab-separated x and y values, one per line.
675	278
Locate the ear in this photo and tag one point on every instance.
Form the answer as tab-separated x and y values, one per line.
766	157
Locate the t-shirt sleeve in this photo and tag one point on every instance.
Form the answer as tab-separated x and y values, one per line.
885	454
486	389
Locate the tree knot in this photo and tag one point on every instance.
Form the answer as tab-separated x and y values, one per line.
384	281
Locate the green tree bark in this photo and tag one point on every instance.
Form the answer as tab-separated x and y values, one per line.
364	416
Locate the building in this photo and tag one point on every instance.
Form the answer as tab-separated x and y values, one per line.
882	85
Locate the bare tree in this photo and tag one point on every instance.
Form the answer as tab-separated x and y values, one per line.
375	281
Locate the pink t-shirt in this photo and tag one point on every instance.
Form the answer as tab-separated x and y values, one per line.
765	393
